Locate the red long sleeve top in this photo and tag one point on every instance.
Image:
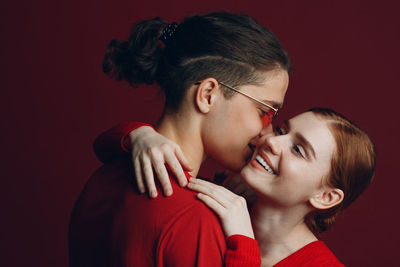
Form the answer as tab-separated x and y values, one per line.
241	250
315	254
113	225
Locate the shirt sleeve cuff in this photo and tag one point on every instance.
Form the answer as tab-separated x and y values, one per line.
129	127
242	251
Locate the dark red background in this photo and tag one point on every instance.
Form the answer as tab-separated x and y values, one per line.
55	100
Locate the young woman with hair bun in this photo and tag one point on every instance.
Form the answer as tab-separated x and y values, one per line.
224	77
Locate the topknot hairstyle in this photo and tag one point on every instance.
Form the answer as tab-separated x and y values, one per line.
228	47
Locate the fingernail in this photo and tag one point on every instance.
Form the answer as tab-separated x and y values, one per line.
153	194
168	192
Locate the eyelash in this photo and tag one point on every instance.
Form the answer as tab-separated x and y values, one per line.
263	112
295	147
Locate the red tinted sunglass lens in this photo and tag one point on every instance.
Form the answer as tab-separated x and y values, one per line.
266	120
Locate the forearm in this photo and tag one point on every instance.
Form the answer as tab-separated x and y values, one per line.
115	142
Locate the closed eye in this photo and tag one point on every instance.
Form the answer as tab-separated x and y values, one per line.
298	150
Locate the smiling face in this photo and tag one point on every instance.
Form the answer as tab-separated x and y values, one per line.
289	167
235	123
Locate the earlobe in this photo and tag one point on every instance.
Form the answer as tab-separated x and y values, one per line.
206	94
327	198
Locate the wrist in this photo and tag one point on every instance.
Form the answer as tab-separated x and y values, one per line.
130	138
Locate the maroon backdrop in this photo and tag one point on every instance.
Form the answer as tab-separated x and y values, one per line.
55	100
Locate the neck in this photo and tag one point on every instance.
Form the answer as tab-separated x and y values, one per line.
280	231
184	130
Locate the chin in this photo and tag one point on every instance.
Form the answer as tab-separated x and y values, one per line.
245	173
252	177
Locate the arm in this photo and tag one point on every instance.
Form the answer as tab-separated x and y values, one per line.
112	143
150	151
232	210
242	251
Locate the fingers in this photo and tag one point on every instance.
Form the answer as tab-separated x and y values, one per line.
236	185
218	193
181	158
230	208
151	153
212	204
174	164
138	175
163	177
157	161
148	176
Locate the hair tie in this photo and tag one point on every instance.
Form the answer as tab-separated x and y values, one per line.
168	32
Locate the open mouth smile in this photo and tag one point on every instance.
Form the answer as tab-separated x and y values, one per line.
264	164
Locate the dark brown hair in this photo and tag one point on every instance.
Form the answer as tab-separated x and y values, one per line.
352	166
229	47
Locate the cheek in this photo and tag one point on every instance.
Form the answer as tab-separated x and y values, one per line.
229	131
300	178
290	166
227	146
249	124
241	126
244	118
296	174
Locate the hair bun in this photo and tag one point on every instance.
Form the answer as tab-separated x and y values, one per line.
136	60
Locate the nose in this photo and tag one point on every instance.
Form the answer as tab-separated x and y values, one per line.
275	143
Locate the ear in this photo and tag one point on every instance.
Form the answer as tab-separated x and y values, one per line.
327	198
206	95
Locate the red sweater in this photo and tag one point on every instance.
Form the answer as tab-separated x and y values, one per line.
315	254
113	225
241	251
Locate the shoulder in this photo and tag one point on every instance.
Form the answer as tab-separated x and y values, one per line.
105	185
191	215
193	237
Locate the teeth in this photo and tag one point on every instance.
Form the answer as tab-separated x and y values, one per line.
264	164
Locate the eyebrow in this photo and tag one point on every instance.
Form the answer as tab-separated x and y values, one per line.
302	140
